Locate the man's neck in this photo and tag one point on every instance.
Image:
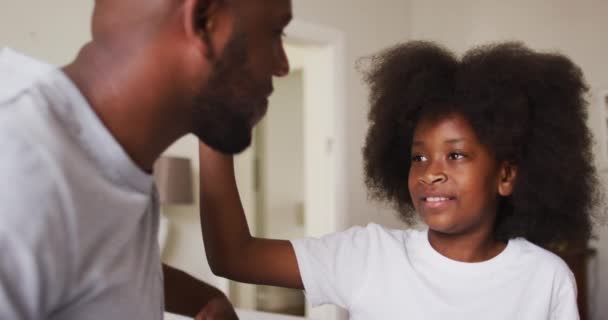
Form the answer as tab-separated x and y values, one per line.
129	98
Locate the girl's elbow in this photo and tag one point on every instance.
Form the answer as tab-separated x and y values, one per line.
224	268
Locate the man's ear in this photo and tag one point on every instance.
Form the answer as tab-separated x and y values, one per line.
507	178
199	18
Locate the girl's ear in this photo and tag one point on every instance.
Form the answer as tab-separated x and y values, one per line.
508	175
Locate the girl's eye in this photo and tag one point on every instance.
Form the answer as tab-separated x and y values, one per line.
418	158
456	156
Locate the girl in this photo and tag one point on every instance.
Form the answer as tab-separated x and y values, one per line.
491	151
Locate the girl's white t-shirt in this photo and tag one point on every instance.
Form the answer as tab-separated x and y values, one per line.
377	273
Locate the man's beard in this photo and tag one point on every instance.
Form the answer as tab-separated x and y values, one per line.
231	102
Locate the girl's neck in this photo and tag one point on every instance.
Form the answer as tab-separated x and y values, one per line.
466	247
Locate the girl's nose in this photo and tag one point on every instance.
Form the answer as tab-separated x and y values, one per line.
433	178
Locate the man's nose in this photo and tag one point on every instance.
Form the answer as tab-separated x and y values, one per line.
281	64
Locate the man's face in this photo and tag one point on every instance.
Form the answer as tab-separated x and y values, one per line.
235	97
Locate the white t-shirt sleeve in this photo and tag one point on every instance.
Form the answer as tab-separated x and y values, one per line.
564	304
335	268
33	240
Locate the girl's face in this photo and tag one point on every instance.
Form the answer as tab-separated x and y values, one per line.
454	180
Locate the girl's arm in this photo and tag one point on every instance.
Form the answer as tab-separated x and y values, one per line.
231	250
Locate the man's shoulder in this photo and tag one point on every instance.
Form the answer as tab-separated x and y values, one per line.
18	72
22	105
30	164
29	124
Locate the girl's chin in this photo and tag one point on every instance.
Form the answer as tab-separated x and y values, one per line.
442	226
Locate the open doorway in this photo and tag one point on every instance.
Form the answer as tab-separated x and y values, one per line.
289	179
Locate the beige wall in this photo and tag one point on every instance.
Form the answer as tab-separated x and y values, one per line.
576	28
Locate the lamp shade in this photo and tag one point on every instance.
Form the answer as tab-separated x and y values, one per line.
173	177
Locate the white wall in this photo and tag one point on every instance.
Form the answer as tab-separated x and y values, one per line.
575	28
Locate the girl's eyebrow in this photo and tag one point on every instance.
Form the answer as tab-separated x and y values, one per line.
454	141
418	143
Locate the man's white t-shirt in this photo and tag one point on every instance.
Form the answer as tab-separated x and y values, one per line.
78	219
378	273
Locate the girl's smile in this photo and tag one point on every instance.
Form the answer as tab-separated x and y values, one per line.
433	202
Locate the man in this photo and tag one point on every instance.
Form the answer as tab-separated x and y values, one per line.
78	211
